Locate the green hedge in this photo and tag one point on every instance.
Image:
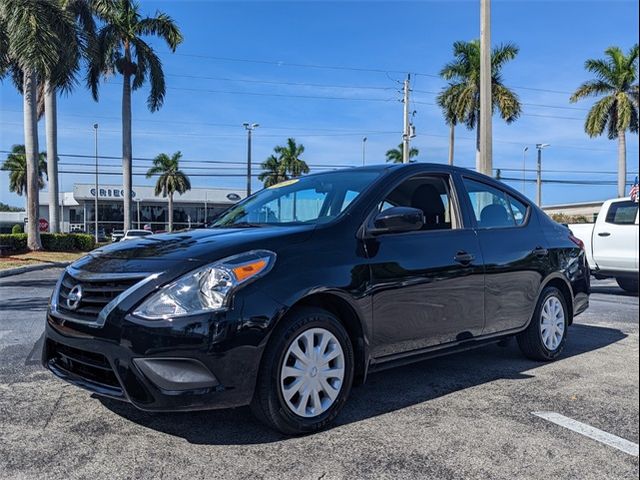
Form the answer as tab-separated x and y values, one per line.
54	242
15	242
17	229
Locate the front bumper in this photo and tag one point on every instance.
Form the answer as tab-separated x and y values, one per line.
107	360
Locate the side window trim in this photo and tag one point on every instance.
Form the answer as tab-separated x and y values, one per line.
506	194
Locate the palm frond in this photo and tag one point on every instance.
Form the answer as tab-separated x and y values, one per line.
162	26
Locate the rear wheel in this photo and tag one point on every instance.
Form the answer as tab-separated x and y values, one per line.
628	284
545	337
306	373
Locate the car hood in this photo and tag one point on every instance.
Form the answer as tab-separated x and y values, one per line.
188	249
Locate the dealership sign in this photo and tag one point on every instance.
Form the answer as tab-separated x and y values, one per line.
110	193
115	193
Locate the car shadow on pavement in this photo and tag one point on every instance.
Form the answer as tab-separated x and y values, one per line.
29	304
384	392
612	290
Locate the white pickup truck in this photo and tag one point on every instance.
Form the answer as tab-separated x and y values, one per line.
611	244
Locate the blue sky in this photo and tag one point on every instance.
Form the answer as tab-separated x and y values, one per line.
250	55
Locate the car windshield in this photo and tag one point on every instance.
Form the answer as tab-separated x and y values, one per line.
138	234
307	200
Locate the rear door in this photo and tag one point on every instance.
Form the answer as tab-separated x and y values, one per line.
427	286
615	237
514	252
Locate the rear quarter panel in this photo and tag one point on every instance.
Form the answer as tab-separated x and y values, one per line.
567	261
584	231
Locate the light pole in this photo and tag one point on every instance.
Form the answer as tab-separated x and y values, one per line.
524	170
249	128
485	162
364	143
95	197
540	147
138	208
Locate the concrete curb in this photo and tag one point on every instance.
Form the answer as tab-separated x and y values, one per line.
31	268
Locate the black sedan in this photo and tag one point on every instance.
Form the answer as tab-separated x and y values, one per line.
299	291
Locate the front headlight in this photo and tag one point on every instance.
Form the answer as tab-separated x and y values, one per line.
208	288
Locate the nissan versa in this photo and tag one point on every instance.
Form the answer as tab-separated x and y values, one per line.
299	291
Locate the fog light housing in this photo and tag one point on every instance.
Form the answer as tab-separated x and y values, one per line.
176	374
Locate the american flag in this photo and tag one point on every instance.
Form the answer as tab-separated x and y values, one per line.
633	193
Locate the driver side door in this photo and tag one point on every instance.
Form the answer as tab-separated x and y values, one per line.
428	285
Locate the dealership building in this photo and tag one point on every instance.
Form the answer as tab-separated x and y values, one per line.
194	208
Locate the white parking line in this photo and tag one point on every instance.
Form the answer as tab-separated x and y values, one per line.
588	431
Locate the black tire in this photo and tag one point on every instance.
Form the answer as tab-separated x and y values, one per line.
628	284
530	341
268	404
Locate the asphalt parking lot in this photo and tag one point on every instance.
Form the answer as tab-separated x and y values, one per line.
463	416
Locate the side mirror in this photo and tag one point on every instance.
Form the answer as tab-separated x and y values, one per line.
397	220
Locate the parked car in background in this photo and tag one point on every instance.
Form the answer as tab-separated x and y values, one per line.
130	234
611	243
116	235
305	287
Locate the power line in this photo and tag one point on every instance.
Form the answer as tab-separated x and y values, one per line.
339	67
217	162
292	64
274	82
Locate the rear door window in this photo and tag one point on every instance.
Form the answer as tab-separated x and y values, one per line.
518	210
491	206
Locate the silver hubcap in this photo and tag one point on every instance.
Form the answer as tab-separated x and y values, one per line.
312	372
552	323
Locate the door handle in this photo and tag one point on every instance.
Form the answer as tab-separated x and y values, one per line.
464	258
604	234
540	252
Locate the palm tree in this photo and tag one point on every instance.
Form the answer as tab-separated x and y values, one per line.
171	179
35	37
448	110
462	96
272	172
615	81
121	48
289	157
395	154
16	165
81	12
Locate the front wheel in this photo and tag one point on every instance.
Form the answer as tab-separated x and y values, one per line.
306	373
628	284
545	336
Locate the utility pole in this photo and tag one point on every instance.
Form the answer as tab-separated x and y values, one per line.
406	134
485	164
364	143
452	135
249	128
95	205
524	170
540	147
205	208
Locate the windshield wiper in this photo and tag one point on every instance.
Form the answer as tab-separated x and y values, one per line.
244	225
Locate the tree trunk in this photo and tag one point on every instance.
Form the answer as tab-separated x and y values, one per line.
51	120
478	166
126	148
171	212
31	153
622	163
452	134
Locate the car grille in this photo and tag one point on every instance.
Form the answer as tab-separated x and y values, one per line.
96	293
90	366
